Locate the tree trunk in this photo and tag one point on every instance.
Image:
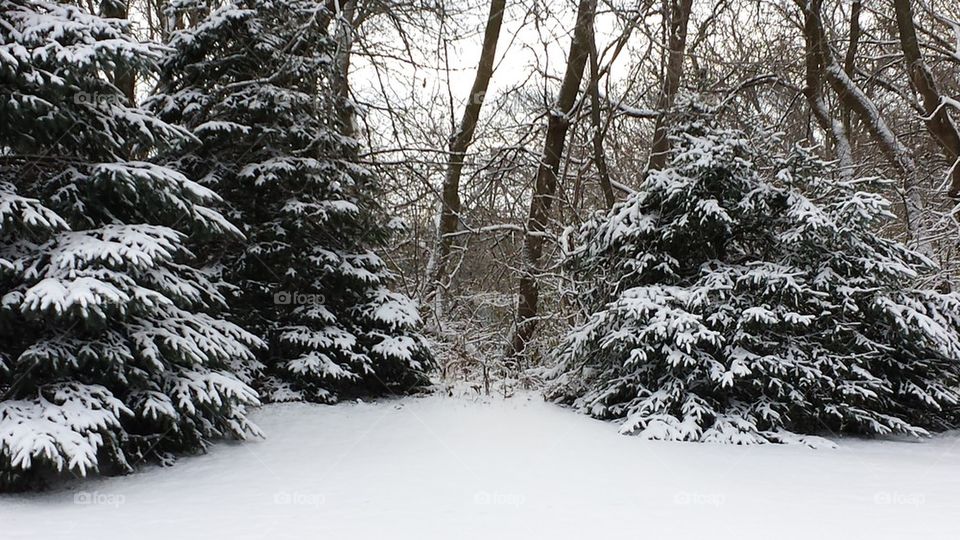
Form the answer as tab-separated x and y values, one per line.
599	159
850	60
814	63
677	42
124	79
546	182
345	20
459	143
855	99
938	121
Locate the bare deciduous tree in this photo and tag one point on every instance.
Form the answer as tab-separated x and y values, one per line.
459	143
853	97
679	16
559	120
124	79
938	121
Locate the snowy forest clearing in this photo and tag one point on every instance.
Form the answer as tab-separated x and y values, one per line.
437	467
216	215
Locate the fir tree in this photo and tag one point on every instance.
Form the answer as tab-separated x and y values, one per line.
111	351
252	82
743	297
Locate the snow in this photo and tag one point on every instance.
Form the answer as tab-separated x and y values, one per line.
440	468
67	434
30	212
955	26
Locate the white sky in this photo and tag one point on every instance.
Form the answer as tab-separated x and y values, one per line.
523	46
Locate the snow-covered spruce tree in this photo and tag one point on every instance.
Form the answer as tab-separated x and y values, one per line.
742	297
110	348
252	82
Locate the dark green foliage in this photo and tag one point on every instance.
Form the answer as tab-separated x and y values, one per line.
252	84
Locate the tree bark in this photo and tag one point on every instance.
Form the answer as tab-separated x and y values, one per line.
125	80
814	64
850	59
677	42
546	181
599	158
459	143
855	99
345	20
938	120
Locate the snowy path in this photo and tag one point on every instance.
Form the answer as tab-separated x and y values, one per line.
442	468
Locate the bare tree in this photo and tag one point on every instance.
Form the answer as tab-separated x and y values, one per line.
124	79
678	17
938	120
346	23
814	63
599	159
850	58
545	186
459	143
853	97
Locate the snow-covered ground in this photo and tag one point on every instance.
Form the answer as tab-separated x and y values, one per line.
444	468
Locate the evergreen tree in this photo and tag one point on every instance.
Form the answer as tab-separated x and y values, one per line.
746	297
252	82
110	348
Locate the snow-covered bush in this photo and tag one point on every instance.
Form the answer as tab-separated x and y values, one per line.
110	349
745	297
252	82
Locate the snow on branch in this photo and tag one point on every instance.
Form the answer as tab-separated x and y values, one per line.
954	25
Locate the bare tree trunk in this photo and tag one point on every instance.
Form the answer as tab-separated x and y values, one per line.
546	181
850	60
459	143
938	120
599	159
677	42
814	62
345	21
125	80
855	99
